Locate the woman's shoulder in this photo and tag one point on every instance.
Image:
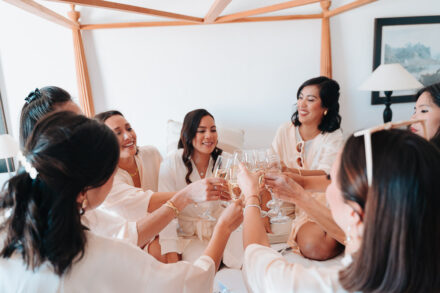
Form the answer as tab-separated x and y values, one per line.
334	135
174	155
148	150
286	126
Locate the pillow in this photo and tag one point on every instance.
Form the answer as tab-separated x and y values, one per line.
230	140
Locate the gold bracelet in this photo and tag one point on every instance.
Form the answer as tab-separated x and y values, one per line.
171	205
251	196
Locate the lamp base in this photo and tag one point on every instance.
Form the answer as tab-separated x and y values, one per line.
387	113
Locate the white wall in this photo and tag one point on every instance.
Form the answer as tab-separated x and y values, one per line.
245	74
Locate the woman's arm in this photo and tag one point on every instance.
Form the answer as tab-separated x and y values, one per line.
203	190
253	226
303	172
229	220
311	183
288	190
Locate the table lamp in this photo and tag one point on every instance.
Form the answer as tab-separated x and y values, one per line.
389	78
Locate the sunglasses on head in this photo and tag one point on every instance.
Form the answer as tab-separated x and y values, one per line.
367	140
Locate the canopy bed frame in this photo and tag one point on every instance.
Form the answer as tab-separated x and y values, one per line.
213	16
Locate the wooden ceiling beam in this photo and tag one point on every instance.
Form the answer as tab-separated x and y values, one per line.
266	9
278	18
135	24
131	8
347	7
44	12
182	23
216	9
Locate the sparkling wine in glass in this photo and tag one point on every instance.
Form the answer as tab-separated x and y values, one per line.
275	212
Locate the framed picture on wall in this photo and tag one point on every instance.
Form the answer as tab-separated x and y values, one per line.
3	130
414	43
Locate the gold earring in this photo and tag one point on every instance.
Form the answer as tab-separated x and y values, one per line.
325	112
84	205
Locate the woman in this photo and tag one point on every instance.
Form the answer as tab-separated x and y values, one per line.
41	102
428	107
47	249
308	145
132	196
102	222
392	225
193	161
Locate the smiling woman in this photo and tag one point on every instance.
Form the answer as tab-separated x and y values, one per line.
191	162
308	145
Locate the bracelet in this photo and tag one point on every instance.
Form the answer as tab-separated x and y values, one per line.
249	197
171	205
251	205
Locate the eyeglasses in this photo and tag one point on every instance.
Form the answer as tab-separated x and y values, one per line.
367	140
300	156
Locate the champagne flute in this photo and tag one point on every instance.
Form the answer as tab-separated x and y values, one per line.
221	169
234	189
275	213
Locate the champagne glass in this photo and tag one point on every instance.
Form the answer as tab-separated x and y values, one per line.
221	169
275	213
234	189
249	160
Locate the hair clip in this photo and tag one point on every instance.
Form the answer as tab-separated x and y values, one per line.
27	165
36	94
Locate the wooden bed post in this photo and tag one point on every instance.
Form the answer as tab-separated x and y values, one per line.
82	73
326	49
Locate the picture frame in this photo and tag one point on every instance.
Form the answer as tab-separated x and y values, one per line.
410	42
3	130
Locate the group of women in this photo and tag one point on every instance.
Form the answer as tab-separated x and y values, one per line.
92	211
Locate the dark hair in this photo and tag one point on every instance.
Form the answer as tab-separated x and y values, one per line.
187	134
329	94
399	250
71	154
38	104
101	117
434	91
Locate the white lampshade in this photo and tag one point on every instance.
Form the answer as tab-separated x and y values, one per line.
8	146
390	77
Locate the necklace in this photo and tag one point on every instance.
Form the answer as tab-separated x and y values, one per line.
134	174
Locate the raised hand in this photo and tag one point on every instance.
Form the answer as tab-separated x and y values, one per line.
248	181
284	187
208	189
231	217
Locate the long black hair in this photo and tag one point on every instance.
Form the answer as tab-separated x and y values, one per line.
401	236
71	154
187	134
329	94
39	103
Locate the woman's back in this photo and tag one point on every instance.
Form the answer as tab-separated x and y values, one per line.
109	266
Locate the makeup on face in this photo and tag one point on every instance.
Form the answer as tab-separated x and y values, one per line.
125	134
310	110
206	137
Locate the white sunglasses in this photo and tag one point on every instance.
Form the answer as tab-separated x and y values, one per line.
367	140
